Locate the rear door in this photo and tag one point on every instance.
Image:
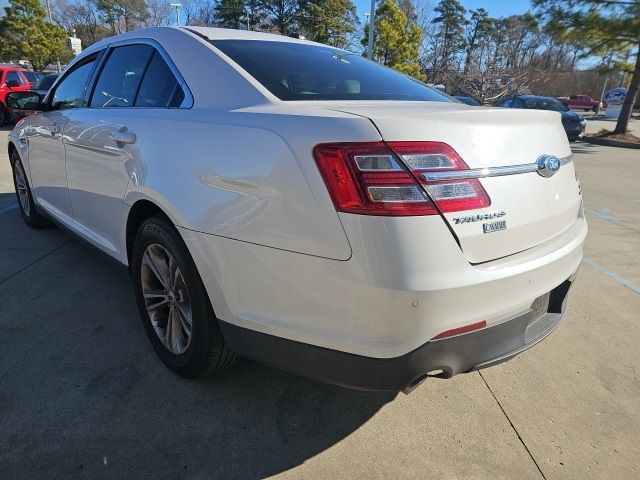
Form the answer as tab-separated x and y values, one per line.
103	141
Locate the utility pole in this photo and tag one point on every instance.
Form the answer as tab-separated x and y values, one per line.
58	68
372	23
606	80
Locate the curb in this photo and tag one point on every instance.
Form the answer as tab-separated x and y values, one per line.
609	143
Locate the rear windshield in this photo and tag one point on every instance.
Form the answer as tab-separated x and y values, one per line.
46	82
294	71
545	104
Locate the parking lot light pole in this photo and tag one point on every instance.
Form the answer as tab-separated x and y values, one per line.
58	68
177	7
372	26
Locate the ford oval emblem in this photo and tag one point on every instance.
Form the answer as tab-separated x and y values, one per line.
548	165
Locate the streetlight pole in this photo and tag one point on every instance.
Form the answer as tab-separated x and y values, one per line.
58	68
177	7
372	26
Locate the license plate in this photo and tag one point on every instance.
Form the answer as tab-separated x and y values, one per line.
494	226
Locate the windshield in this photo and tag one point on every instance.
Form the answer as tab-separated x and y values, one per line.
293	71
545	104
46	82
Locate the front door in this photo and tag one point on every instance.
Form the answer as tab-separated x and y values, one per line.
46	149
103	141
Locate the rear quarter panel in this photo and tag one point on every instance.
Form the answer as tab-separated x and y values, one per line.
247	175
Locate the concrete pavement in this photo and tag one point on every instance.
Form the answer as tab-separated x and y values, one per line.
82	394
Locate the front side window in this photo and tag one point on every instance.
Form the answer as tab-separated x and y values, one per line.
14	77
121	76
71	89
293	71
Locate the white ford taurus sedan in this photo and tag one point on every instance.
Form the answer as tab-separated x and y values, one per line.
304	207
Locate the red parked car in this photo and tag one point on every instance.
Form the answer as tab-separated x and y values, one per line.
584	102
12	79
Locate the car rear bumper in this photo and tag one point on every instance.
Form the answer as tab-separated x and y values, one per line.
442	358
390	298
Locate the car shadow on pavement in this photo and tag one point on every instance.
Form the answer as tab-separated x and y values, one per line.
83	395
583	147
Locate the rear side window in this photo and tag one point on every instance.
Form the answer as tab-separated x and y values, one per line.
13	76
293	71
121	76
158	84
31	76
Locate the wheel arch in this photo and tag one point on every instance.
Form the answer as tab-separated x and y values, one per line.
11	147
144	207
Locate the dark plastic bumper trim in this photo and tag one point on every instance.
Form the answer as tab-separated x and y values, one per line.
463	353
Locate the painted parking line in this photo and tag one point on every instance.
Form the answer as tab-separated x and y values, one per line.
602	216
613	275
8	208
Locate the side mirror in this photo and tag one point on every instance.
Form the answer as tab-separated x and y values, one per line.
12	83
24	101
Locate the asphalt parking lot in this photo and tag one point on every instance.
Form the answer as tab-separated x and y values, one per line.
82	395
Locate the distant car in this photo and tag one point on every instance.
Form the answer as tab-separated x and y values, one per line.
468	100
44	84
33	77
585	102
12	79
573	123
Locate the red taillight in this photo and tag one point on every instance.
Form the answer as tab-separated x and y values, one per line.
369	179
460	330
386	179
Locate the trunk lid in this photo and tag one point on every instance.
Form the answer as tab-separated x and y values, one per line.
535	208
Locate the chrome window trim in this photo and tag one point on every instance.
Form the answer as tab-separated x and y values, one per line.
489	171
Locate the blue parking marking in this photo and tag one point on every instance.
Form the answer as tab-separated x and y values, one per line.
618	278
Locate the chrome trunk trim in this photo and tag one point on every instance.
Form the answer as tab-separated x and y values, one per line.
489	171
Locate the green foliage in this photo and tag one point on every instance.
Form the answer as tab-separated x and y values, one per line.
397	40
122	15
284	15
450	35
24	34
330	21
230	14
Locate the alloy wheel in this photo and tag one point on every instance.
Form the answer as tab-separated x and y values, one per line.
23	189
166	298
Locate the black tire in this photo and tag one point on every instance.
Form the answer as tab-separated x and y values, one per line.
207	351
3	115
29	212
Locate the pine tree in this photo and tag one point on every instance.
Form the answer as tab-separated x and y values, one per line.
24	34
397	40
330	21
230	14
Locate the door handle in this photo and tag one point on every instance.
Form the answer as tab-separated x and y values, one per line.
123	137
